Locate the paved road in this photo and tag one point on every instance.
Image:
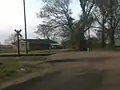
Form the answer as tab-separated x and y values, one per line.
77	74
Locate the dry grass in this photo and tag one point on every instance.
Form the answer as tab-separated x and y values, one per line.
14	67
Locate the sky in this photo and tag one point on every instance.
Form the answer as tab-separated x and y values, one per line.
12	16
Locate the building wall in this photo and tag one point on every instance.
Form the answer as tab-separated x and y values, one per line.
22	46
39	46
33	46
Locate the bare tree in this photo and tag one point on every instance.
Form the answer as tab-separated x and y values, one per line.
45	31
12	39
101	15
109	20
113	20
85	21
58	14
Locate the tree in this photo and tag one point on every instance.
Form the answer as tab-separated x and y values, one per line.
85	22
101	15
12	39
113	20
45	31
109	20
58	14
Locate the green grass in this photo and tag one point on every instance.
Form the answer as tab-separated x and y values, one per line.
24	58
9	70
14	67
34	51
8	51
107	49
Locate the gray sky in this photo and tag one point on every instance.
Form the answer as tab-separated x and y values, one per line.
11	16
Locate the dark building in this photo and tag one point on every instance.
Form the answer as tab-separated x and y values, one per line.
37	44
40	44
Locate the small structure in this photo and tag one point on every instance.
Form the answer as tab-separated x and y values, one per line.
36	44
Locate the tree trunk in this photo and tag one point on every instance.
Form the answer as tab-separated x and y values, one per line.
112	39
103	41
83	45
103	36
82	42
71	41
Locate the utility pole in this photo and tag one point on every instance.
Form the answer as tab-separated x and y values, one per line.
18	40
25	26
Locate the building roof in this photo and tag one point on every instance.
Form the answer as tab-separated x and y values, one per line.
41	41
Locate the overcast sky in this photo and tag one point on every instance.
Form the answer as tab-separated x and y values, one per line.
11	16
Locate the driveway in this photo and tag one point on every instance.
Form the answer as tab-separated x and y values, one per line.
82	71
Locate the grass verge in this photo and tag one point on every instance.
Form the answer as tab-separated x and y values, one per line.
15	67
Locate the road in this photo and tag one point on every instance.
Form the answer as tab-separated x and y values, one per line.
98	73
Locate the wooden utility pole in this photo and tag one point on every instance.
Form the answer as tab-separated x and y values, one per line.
25	27
18	40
